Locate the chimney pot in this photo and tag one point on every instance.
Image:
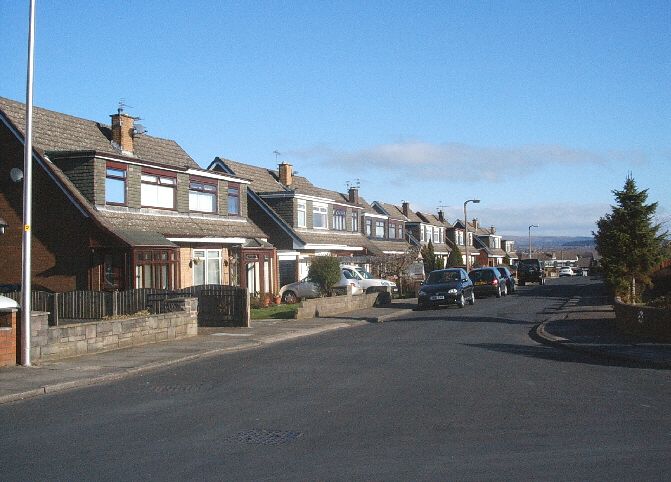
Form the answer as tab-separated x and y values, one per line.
286	173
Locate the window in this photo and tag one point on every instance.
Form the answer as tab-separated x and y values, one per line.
233	199
202	197
115	185
158	191
301	210
401	234
156	268
319	212
392	231
470	238
379	229
206	267
339	219
436	235
460	238
369	227
355	221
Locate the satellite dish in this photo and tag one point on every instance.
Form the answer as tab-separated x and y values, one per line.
16	174
139	129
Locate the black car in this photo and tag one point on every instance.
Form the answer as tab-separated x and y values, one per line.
488	281
530	271
510	279
444	287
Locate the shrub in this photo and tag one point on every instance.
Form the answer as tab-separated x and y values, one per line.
325	272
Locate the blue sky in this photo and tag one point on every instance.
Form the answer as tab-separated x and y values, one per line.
539	109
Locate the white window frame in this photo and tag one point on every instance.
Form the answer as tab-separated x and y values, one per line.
201	260
157	191
320	210
301	208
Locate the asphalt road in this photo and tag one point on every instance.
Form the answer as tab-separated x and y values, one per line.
448	394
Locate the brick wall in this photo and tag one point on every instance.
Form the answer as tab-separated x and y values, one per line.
8	338
57	342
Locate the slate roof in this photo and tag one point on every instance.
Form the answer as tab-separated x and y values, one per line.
53	131
333	237
433	220
384	245
262	180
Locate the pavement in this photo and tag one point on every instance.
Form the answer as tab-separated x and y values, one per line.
575	325
18	383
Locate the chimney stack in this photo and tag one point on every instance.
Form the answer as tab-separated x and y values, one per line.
286	174
353	193
122	132
475	223
493	229
441	216
406	208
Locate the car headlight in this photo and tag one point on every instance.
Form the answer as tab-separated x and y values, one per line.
422	293
452	292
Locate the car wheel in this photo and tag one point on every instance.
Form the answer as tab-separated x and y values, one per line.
498	292
505	290
289	297
461	302
471	301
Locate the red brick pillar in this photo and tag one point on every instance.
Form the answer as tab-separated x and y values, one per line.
8	337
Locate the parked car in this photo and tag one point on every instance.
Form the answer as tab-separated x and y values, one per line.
511	284
488	281
565	271
365	279
530	271
294	292
444	287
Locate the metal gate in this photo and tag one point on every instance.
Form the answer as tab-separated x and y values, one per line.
222	306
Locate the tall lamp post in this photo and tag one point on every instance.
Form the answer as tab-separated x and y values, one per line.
468	260
531	226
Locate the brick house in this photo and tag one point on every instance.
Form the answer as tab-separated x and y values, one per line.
423	228
114	208
456	236
490	245
301	220
387	229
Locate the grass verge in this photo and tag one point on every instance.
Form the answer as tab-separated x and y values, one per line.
282	312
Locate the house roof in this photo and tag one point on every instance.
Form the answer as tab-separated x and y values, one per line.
433	220
394	212
262	180
177	225
53	131
383	245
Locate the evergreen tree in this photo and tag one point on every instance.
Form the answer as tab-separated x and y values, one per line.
629	243
325	272
456	258
428	257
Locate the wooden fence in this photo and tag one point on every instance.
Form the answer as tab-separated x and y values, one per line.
228	304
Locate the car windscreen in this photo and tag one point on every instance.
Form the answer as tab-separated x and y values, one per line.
364	274
443	277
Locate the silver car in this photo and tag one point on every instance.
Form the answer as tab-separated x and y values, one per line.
305	288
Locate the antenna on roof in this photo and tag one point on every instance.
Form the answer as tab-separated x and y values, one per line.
441	206
123	105
356	183
277	154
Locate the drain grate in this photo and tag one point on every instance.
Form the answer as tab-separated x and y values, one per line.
265	437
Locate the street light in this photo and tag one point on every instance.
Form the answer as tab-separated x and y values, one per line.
475	201
531	226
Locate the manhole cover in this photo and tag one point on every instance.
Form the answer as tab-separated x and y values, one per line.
265	437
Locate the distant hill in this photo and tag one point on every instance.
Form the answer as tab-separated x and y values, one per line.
546	242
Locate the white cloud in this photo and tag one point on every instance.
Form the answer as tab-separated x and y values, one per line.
423	160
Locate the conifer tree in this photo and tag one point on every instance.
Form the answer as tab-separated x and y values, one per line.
428	257
629	243
455	258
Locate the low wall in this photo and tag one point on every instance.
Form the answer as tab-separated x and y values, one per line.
64	341
8	338
645	321
335	305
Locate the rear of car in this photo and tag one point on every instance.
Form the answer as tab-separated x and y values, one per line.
488	281
530	271
510	279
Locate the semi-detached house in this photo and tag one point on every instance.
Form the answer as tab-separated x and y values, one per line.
301	219
115	208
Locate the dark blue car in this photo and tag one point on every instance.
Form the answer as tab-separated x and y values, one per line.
445	287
